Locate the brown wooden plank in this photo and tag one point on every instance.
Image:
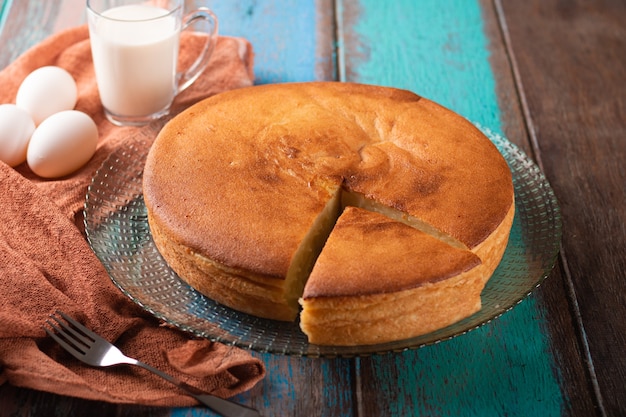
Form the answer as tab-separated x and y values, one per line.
553	295
572	73
20	402
513	123
303	387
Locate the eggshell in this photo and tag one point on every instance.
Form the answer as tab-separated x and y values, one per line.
61	144
16	128
46	91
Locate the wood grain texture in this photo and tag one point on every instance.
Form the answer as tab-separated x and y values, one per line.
296	387
512	121
571	64
284	35
292	43
302	387
546	73
507	366
27	22
16	402
564	346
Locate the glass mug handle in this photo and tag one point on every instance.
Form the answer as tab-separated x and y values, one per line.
186	78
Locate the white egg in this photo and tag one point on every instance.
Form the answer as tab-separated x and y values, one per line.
16	128
46	91
62	143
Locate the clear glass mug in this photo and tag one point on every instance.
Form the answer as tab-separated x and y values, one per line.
135	46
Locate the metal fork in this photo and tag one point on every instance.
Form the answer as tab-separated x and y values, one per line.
92	349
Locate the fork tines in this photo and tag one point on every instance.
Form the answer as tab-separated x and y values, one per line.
70	334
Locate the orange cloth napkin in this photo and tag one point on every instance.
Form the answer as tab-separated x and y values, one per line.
46	263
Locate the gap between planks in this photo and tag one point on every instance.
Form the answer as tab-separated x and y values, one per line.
340	75
534	142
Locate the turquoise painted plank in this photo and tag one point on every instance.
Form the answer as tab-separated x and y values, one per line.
293	387
5	6
282	33
436	49
440	51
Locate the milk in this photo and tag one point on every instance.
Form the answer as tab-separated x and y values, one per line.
135	63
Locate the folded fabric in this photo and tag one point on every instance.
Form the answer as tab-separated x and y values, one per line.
46	263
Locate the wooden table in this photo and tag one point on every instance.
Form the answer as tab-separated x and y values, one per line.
550	76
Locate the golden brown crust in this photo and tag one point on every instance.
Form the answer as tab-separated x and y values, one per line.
438	167
368	254
234	184
260	147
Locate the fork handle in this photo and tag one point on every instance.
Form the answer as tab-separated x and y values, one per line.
223	407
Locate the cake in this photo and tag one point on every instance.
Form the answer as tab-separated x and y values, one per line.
245	189
427	283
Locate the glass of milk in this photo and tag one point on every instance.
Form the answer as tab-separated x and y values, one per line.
134	45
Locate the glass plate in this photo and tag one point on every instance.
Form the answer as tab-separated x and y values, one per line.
117	229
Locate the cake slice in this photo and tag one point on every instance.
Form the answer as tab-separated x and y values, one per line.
378	280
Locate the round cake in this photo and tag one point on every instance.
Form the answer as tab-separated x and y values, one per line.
248	193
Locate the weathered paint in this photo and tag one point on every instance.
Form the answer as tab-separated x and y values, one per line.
439	50
4	12
42	12
282	33
279	391
435	49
